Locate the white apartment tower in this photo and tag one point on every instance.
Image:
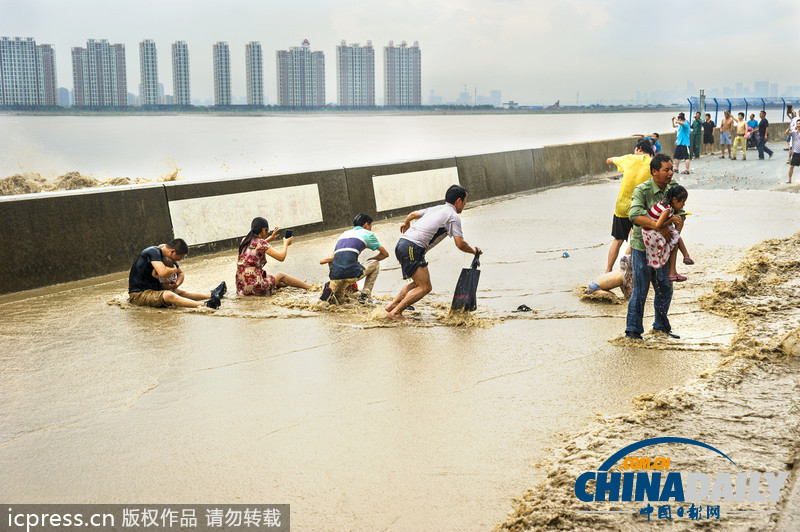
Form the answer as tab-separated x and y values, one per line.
301	77
180	73
355	75
222	74
148	67
27	72
402	75
255	73
99	75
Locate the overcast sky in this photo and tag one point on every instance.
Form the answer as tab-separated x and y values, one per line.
534	51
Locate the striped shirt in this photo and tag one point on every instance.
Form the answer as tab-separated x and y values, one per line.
351	243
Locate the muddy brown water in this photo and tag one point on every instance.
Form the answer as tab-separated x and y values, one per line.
357	423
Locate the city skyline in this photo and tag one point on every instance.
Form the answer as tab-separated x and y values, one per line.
534	52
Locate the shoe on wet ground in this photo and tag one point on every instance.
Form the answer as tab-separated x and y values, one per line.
214	302
677	278
365	298
668	333
326	292
633	335
220	290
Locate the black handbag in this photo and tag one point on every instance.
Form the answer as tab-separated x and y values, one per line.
465	297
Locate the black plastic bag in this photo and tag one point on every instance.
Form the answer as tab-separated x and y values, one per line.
465	297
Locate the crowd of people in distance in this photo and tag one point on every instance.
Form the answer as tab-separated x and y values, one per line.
156	277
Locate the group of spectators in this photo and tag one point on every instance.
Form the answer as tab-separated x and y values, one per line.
156	277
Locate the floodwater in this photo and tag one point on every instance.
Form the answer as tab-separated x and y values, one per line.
355	422
212	147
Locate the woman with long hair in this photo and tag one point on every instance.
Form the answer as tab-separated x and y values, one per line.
251	279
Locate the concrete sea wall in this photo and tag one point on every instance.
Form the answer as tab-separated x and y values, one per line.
59	237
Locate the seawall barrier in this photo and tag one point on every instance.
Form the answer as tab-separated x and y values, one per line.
58	237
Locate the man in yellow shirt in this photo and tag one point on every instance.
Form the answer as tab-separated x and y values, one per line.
635	170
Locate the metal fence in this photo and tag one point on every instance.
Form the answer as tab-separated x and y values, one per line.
742	104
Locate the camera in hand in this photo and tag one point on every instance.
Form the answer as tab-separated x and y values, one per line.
287	234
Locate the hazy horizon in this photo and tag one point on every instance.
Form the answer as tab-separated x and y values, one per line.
534	52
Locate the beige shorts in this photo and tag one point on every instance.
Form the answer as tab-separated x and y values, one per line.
148	298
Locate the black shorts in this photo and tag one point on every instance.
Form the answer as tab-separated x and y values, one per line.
681	153
708	139
621	228
795	159
410	256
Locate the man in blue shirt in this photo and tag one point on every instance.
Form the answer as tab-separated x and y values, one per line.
344	266
682	149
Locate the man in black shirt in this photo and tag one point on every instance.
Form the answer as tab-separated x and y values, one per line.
156	277
763	130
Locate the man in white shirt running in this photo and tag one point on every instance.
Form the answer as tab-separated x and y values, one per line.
435	223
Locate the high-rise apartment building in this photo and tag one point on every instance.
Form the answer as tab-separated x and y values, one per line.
180	73
402	75
148	68
301	77
46	72
254	63
355	75
27	72
99	75
222	74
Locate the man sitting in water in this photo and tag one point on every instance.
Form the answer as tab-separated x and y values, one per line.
344	266
151	283
435	223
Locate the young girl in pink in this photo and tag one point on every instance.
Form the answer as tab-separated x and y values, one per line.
658	248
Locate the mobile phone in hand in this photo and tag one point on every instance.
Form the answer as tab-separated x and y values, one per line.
287	234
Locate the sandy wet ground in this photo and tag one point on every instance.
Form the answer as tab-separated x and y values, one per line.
356	422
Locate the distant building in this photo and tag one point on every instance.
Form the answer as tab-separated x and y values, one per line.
99	75
148	68
180	74
222	74
762	89
64	98
46	72
496	98
355	75
433	99
254	63
301	77
402	75
27	72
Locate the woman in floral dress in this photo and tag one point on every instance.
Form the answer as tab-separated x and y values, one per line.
251	279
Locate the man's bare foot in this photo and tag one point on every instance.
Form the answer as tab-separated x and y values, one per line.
389	308
396	317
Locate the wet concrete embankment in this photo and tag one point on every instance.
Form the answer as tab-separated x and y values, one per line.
211	215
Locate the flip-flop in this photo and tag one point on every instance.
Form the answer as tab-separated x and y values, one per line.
679	278
523	308
593	287
688	261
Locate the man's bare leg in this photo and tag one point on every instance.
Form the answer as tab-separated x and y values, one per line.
411	293
613	253
195	296
179	301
